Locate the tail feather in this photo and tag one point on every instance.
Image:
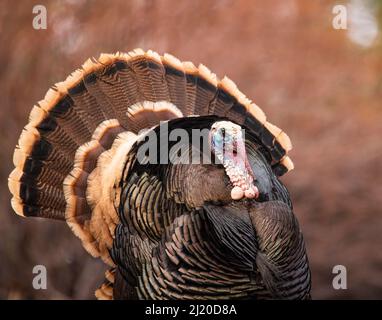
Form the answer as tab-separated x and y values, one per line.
205	90
52	131
94	87
42	194
127	76
34	167
191	85
81	97
114	86
157	77
140	66
224	99
175	78
58	104
105	291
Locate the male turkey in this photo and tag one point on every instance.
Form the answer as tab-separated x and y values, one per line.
169	229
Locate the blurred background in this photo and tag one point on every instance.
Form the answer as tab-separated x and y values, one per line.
323	86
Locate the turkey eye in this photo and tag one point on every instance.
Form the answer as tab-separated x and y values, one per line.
223	133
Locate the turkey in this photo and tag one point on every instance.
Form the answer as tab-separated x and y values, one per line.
112	151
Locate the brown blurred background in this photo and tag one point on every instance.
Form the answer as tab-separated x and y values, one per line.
322	86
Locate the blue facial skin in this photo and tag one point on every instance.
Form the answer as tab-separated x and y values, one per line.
217	140
221	142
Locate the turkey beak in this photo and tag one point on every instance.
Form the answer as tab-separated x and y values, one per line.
239	171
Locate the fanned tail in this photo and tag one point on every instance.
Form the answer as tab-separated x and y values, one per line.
71	153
